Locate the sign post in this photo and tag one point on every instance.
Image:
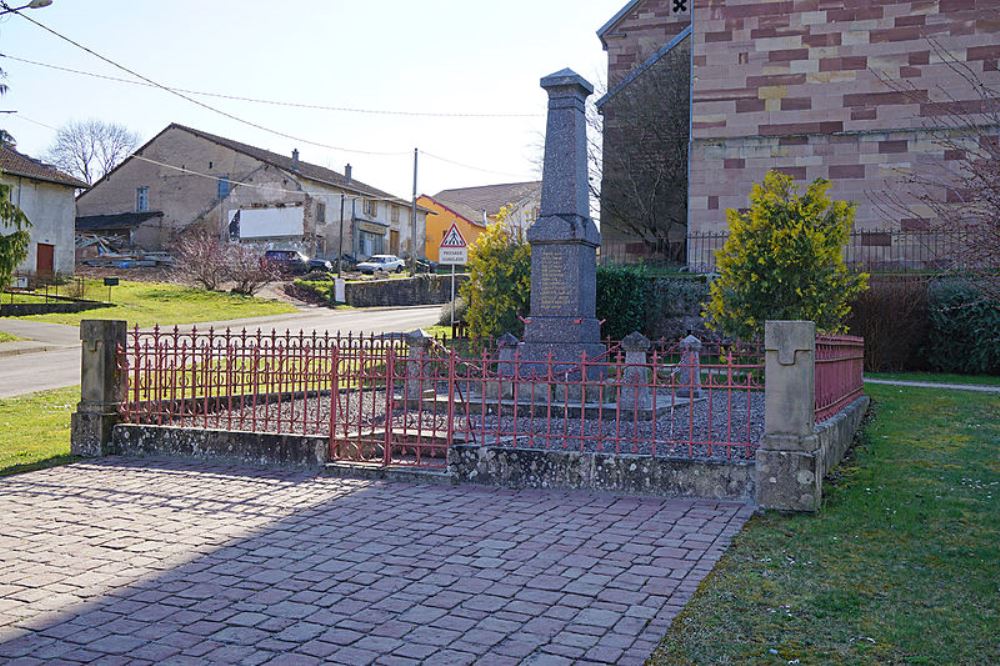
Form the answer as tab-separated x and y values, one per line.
454	251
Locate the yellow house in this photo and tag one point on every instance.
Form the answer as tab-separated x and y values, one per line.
472	208
439	221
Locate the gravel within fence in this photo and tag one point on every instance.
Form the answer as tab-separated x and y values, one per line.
724	426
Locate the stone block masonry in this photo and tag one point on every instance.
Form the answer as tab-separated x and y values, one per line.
798	87
795	455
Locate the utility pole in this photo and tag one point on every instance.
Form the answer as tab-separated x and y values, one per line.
340	251
413	218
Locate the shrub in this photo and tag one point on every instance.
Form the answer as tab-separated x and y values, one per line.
203	259
674	308
783	260
892	318
964	329
461	310
622	297
199	259
499	285
246	269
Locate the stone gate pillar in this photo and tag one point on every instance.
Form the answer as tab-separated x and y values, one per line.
789	476
102	386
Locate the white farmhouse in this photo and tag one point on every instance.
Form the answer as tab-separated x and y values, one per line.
46	195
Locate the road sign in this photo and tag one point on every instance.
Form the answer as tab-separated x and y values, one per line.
453	249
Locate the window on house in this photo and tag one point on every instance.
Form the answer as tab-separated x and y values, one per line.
223	187
371	207
395	214
142	199
320	213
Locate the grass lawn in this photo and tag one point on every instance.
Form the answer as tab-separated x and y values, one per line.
7	337
148	303
940	377
34	430
901	566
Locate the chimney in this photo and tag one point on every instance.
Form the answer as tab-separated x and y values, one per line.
347	172
295	160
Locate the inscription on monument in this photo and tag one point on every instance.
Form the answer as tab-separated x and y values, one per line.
555	289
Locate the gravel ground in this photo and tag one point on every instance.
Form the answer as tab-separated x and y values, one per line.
705	423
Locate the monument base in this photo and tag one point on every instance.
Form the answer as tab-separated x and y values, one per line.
563	339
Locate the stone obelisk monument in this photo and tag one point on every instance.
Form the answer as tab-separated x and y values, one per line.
564	240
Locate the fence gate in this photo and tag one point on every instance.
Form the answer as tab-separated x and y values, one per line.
391	406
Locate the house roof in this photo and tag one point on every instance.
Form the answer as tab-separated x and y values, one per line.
629	6
646	64
306	170
109	222
19	164
470	202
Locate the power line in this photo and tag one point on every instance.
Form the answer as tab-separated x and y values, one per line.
240	183
470	166
272	188
275	102
203	105
422	152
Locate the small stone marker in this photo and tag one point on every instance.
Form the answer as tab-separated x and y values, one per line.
564	240
689	384
417	365
635	381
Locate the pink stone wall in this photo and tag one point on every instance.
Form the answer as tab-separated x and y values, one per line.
789	84
640	33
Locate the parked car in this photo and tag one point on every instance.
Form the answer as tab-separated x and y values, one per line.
382	263
426	266
287	261
321	265
348	262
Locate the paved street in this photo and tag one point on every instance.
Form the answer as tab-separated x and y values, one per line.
167	562
60	366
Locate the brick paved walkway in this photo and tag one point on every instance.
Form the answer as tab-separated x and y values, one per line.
169	562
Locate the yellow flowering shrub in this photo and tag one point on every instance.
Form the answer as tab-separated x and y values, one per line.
498	290
784	260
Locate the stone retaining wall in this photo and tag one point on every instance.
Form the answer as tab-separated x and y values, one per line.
25	309
224	445
638	475
419	290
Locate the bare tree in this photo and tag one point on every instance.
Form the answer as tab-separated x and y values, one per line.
204	260
639	149
199	259
91	148
247	270
959	195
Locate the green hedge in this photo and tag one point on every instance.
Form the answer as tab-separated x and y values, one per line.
622	295
964	329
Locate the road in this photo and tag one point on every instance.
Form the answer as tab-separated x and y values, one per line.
59	365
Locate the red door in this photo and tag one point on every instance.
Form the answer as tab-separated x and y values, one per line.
45	258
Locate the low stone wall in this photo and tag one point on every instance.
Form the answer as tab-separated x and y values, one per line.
793	480
836	435
242	447
419	290
640	475
25	309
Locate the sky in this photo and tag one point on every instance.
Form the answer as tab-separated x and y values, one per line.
436	56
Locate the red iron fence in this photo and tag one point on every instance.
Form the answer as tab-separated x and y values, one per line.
395	400
839	373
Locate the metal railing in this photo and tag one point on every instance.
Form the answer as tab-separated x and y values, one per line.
840	361
877	250
381	400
